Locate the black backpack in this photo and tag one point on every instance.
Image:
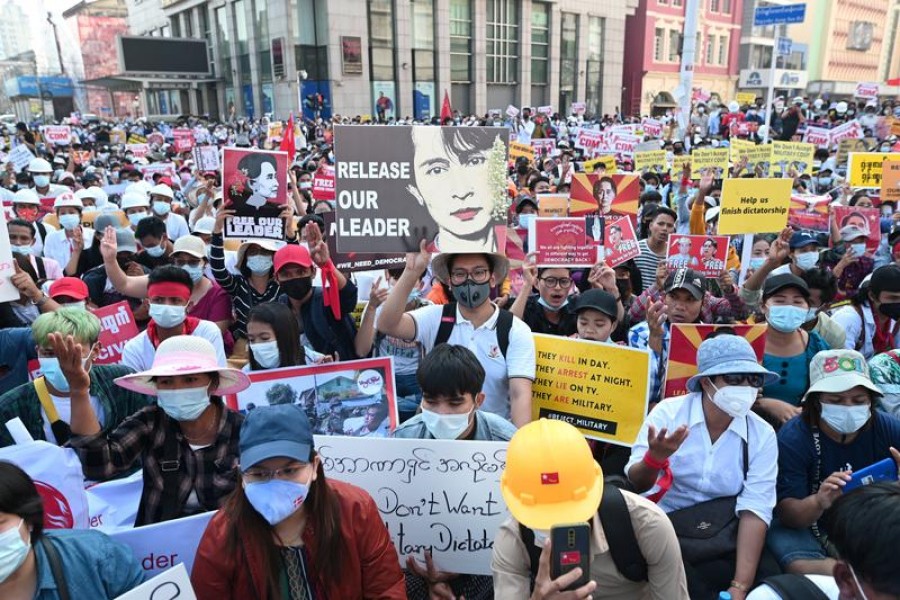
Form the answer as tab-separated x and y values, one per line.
448	320
795	587
616	522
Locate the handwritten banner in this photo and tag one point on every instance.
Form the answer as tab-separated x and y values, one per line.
754	205
565	242
599	388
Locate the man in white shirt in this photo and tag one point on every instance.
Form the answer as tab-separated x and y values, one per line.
169	295
476	324
72	237
525	127
161	197
40	171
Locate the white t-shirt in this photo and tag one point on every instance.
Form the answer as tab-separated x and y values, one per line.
58	247
139	352
176	226
825	583
64	409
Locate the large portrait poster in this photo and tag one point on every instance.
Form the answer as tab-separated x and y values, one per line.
255	184
868	220
396	186
706	254
592	192
354	397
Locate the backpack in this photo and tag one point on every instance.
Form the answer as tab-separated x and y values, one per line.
795	587
616	522
448	320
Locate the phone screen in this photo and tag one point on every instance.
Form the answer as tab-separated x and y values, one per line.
570	549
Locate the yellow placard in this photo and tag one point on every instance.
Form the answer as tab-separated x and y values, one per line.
653	160
679	162
517	149
793	155
864	168
606	162
599	388
890	180
709	158
553	205
754	205
745	98
758	155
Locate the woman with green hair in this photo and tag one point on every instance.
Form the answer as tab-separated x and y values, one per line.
44	405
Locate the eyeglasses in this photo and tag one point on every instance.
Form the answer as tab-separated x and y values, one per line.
563	282
754	379
264	475
459	277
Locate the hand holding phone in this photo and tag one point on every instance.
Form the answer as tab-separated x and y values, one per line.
558	588
883	470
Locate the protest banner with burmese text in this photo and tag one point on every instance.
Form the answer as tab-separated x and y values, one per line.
890	180
864	168
117	326
564	242
754	205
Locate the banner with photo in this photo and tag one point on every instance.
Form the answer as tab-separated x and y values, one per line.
350	262
715	159
759	156
706	254
183	140
809	213
591	193
206	158
354	397
255	187
566	242
685	339
792	156
396	186
620	243
868	220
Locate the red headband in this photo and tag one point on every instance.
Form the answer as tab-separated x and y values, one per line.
168	289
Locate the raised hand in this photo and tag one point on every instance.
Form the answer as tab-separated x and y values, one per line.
663	446
71	360
318	249
418	262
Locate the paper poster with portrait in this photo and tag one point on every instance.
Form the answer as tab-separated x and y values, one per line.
706	254
255	187
592	193
351	262
568	242
620	242
397	186
809	213
868	220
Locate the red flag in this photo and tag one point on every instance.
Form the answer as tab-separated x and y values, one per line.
287	140
446	111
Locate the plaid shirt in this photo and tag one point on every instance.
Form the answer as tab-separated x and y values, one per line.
728	309
211	471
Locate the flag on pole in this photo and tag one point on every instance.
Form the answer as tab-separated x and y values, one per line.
446	111
287	140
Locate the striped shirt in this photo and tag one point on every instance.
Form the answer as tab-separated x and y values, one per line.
647	263
243	295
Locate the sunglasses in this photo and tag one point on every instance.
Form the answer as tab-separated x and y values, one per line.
753	379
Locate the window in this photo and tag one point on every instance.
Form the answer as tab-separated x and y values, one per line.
381	39
659	43
460	41
424	96
540	43
677	2
261	32
188	24
726	7
594	83
568	60
223	35
662	2
714	6
674	45
710	49
723	50
176	26
502	41
311	52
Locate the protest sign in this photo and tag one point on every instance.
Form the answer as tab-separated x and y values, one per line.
890	180
864	168
512	112
866	90
274	129
20	156
868	220
519	150
161	546
117	136
173	584
117	326
138	150
60	135
578	108
754	205
437	495
183	140
758	156
553	205
81	157
255	187
545	110
543	146
153	170
350	262
848	131
399	185
845	147
565	242
685	339
134	138
57	475
792	156
709	158
653	128
206	158
703	253
745	98
591	141
603	165
654	160
114	504
817	136
323	184
620	243
809	213
8	291
624	143
354	397
156	138
599	388
592	192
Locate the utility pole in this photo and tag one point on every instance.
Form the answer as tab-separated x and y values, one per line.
62	66
688	58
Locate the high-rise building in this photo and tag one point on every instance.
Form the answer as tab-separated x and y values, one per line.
13	30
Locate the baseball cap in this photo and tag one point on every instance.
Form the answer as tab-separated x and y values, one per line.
686	279
71	287
785	280
125	241
851	232
190	244
280	431
837	371
104	221
292	254
523	200
800	239
599	300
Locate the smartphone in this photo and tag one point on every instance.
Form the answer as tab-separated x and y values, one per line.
571	548
883	470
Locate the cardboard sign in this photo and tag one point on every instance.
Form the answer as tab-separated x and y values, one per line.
161	546
354	397
399	185
745	98
705	254
139	150
351	262
599	388
864	168
60	135
685	339
866	90
591	193
553	205
793	156
890	180
323	183
566	242
866	219
20	156
254	184
438	495
183	140
518	150
809	213
620	242
8	291
654	161
117	326
652	128
604	165
206	158
818	137
754	205
709	158
174	584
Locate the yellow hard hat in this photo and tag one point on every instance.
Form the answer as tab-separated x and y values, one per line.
550	476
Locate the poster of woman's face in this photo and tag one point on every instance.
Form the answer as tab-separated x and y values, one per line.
604	194
397	186
255	187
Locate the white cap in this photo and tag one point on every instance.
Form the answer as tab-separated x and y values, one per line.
733	106
141	187
162	190
101	198
134	199
797	100
841	107
818	103
27	196
82	194
39	165
205	225
67	199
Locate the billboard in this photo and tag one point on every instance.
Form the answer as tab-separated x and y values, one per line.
173	56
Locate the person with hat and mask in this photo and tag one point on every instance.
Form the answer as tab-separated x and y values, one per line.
472	321
853	264
552	479
288	531
136	206
838	432
186	442
707	450
872	320
40	171
26	206
161	197
66	245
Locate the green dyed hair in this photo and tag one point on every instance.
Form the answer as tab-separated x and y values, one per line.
77	322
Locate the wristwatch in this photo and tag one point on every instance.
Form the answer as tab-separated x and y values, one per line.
40	301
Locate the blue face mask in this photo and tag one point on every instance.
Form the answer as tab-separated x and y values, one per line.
276	500
787	319
52	372
13	551
135	218
41	180
21	249
757	262
161	208
196	273
155	251
526	220
547	306
70	221
183	405
259	264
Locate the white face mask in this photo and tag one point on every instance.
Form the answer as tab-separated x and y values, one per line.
266	354
858	249
166	315
806	260
734	400
846	419
445	427
13	551
183	405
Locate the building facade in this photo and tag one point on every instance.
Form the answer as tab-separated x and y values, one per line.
13	30
399	57
653	43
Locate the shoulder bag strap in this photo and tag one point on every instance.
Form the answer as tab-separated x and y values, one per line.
62	588
504	326
40	386
171	474
623	545
448	320
795	587
861	340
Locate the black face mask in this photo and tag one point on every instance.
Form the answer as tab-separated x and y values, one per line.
624	286
297	288
471	294
890	309
522	169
